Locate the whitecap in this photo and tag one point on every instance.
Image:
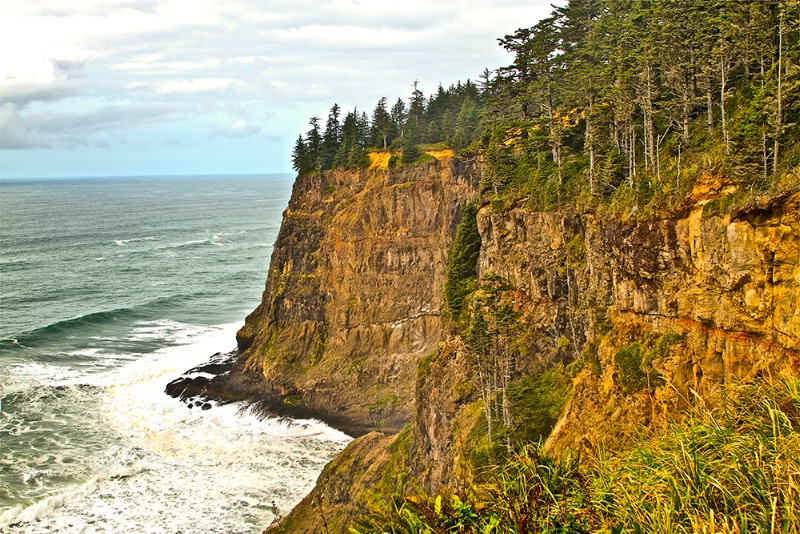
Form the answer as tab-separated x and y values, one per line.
123	242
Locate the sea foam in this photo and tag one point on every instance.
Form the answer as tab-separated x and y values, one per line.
173	469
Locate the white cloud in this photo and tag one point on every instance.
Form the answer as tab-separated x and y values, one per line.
13	134
85	70
238	130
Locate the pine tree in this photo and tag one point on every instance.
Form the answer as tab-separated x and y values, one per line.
398	116
381	128
300	156
331	139
314	146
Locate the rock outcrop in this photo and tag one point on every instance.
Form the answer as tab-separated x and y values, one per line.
698	300
724	288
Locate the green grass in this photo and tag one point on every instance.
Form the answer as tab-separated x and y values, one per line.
733	468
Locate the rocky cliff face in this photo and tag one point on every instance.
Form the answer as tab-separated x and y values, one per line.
354	293
721	289
649	318
642	318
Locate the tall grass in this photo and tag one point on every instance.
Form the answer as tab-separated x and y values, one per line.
733	468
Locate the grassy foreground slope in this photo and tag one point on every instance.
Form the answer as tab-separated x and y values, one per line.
731	468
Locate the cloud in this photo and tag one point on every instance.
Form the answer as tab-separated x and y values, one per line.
238	130
71	68
86	70
14	135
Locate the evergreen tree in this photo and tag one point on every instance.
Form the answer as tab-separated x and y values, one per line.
300	161
314	146
381	129
604	90
331	139
398	116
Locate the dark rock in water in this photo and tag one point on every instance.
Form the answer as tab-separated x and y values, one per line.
193	386
184	386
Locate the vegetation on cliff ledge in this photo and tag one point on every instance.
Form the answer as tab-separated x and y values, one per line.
731	468
462	273
614	103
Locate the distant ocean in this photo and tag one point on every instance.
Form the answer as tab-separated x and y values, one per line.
109	289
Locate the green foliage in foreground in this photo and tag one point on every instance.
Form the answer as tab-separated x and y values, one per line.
734	468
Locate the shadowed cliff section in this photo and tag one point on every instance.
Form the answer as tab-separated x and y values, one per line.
353	295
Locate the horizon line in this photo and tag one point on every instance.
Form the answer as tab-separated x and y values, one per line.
122	176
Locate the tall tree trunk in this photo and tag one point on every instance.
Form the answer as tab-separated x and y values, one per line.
764	156
633	152
779	114
651	136
709	105
555	140
687	110
589	142
723	114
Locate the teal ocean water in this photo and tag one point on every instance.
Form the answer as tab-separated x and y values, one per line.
109	289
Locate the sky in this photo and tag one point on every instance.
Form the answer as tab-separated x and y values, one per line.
183	87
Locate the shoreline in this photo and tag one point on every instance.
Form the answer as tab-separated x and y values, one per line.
221	381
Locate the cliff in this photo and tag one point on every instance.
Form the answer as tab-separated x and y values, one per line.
642	319
614	325
354	294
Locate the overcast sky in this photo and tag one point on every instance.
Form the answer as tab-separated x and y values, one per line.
125	87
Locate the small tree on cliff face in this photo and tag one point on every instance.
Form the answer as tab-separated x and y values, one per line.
462	265
488	339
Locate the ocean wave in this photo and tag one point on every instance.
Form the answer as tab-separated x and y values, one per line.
87	323
161	329
123	242
34	394
192	243
146	481
44	507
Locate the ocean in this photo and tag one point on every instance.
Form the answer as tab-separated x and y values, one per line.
109	289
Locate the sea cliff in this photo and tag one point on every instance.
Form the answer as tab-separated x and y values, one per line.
354	293
631	321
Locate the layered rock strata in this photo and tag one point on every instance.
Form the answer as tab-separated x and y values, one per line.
354	294
711	299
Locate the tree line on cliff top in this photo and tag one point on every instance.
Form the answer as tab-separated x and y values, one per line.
450	115
605	95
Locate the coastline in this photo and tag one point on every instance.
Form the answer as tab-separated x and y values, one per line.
222	380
